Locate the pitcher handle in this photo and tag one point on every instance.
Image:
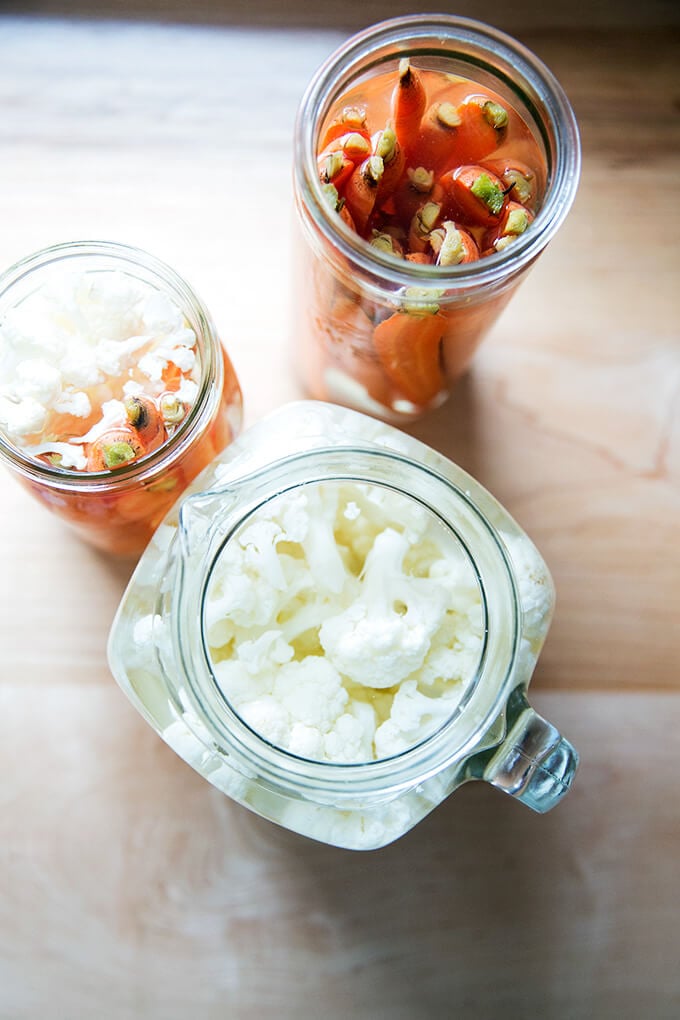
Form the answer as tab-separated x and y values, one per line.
534	764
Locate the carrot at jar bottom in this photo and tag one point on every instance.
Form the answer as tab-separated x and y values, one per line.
409	349
352	348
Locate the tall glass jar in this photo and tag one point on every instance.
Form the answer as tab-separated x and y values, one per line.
118	510
161	647
391	336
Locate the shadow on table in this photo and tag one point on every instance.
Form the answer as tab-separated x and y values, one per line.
458	918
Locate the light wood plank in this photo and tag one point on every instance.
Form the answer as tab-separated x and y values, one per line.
129	887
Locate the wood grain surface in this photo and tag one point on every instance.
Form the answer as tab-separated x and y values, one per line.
131	889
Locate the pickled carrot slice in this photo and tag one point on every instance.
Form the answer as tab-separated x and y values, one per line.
385	144
408	347
114	449
453	245
408	104
475	196
477	135
172	376
356	145
517	176
416	187
516	220
362	190
351	119
145	418
421	257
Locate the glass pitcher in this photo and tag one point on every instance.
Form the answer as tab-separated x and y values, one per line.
164	652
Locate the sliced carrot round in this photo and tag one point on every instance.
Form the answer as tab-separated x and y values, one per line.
481	128
475	196
114	449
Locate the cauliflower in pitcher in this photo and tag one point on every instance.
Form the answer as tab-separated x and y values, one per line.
385	634
344	622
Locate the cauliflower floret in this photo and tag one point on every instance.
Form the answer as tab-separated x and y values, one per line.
351	739
251	671
238	684
306	742
319	544
414	717
292	706
456	573
248	585
258	542
74	402
311	691
292	516
70	456
268	717
161	315
385	634
265	652
22	418
37	379
457	661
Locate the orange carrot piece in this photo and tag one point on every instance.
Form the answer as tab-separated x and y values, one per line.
362	190
356	145
408	104
421	257
351	119
475	196
516	176
385	144
516	220
346	217
435	144
335	168
408	347
114	449
480	130
418	185
146	420
172	376
453	245
424	221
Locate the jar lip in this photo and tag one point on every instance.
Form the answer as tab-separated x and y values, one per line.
429	755
527	70
131	256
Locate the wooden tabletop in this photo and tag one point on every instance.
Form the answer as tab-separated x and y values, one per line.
130	888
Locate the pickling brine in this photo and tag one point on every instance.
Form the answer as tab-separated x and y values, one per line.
435	158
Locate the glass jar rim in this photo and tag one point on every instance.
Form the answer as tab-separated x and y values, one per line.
527	69
211	367
274	763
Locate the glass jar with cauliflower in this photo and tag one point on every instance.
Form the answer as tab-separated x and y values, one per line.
115	390
337	626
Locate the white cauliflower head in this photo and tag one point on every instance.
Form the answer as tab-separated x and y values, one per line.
385	634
